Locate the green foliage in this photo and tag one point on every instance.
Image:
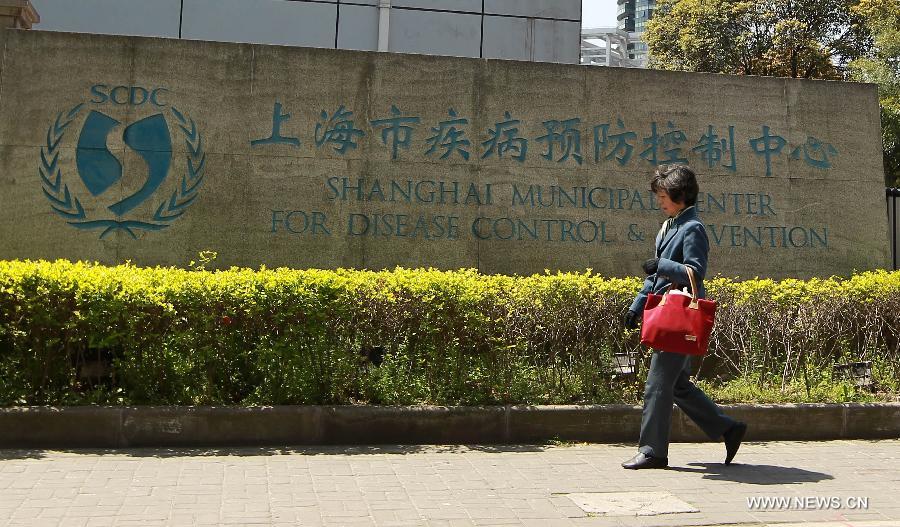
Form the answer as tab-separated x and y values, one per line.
693	35
882	67
172	336
821	39
785	38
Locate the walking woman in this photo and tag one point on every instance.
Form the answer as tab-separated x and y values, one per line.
682	242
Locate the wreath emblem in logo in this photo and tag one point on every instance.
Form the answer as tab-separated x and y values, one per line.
100	171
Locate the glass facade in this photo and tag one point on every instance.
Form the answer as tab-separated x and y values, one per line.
632	16
638	51
531	30
625	15
642	13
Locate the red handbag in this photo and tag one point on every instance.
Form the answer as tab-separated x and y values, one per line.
678	323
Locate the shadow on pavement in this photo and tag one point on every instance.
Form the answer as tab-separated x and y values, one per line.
754	474
6	455
271	451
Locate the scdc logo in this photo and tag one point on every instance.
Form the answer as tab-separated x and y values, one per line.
124	171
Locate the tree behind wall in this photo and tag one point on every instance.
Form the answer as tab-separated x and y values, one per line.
784	38
810	39
882	67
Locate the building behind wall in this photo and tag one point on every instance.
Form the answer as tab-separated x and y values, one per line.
632	17
531	30
606	47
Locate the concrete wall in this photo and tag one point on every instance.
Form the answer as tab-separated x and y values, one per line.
538	30
258	174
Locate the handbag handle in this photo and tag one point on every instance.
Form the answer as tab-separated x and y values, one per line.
695	304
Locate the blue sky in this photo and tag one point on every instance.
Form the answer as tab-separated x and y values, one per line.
598	13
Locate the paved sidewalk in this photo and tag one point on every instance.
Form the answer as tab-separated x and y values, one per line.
454	486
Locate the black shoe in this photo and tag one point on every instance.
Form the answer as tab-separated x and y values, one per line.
733	437
642	460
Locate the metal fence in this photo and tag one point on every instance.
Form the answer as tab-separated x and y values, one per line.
893	201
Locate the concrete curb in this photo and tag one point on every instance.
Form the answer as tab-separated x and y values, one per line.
156	426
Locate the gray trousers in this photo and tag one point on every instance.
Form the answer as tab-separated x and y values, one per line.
668	381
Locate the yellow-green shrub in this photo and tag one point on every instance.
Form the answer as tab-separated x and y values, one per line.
295	336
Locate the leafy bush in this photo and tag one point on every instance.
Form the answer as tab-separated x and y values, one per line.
78	333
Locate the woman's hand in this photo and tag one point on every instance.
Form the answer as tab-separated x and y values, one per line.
650	266
631	320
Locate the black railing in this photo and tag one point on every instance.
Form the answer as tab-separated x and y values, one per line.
893	203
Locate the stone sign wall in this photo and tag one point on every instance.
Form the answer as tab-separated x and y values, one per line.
152	150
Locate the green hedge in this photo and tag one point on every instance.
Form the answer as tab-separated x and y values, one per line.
172	336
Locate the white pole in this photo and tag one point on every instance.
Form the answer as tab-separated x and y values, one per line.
384	24
608	50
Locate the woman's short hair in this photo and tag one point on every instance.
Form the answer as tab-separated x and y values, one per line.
679	181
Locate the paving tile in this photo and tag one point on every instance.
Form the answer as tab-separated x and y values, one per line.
449	486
